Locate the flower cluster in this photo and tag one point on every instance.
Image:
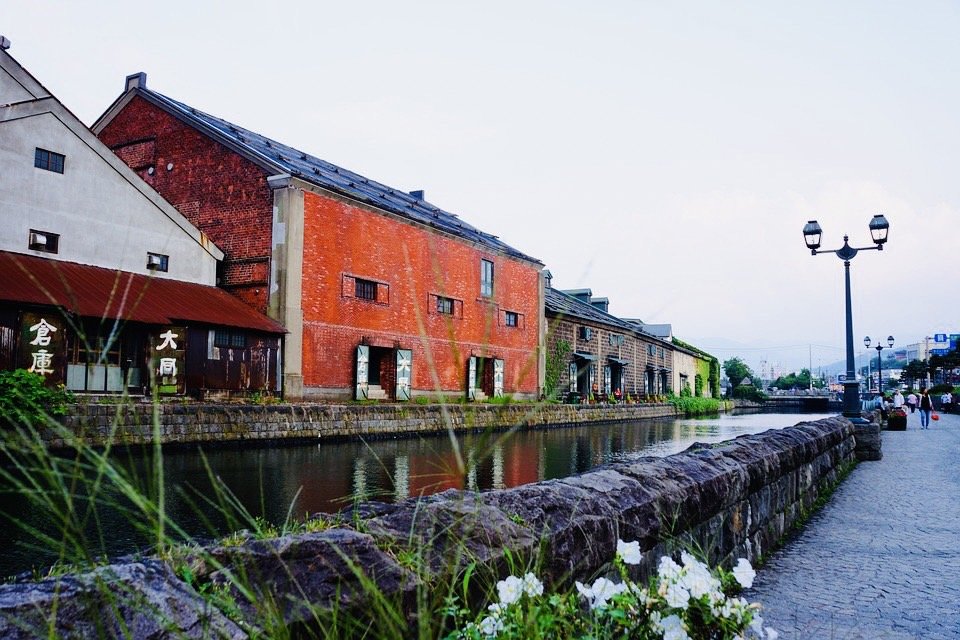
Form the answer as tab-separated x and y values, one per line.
682	601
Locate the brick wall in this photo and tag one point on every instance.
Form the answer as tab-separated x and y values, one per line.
412	266
634	350
222	194
228	197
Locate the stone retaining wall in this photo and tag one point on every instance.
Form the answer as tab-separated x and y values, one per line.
132	423
735	499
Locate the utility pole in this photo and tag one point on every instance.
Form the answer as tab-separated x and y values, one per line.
926	358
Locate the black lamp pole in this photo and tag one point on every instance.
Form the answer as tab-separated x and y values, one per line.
879	348
878	232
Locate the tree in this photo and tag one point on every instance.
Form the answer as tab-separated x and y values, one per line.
737	371
915	370
945	364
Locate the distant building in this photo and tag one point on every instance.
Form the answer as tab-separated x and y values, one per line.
384	295
104	286
604	353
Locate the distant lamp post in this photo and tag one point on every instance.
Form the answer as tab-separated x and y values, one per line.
879	348
879	228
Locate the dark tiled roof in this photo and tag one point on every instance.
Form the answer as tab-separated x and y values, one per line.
282	158
559	303
96	292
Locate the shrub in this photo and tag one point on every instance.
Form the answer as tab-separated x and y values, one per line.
25	399
749	392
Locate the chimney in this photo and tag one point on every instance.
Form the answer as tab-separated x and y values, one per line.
417	195
136	81
4	43
601	303
548	278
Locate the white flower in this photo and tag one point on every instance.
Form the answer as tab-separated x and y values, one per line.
756	624
629	552
510	589
491	626
532	586
672	628
744	573
771	633
677	596
497	609
699	583
600	592
668	569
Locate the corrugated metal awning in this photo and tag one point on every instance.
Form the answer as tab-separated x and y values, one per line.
580	355
618	361
96	292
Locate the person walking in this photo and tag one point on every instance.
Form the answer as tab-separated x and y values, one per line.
926	406
912	402
898	400
945	400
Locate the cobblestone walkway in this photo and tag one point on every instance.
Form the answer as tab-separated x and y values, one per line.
882	559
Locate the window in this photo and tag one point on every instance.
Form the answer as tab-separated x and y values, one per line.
511	319
227	338
44	241
486	278
48	160
157	261
445	305
365	289
651	350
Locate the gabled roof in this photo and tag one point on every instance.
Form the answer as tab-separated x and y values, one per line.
95	292
280	158
558	303
35	99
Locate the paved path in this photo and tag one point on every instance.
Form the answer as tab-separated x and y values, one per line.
882	559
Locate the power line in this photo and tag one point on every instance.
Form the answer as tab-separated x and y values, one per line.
780	348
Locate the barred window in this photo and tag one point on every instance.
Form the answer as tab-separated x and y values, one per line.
511	318
365	289
445	305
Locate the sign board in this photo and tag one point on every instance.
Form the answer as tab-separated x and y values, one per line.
43	345
168	350
939	352
940	337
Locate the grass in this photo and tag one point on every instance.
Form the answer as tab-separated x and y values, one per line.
72	492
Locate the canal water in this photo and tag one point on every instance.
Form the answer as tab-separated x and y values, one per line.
210	493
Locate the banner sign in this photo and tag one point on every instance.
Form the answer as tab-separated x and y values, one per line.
168	358
43	345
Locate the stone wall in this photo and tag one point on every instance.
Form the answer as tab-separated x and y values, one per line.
734	499
187	423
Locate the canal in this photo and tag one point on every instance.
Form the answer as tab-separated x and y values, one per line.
220	489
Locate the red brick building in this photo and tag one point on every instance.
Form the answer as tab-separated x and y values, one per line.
378	288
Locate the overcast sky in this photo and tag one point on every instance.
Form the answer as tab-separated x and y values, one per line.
665	155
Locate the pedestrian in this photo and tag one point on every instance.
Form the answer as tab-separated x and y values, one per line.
912	402
898	400
945	400
926	406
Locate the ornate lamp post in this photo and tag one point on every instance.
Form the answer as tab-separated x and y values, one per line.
879	348
878	232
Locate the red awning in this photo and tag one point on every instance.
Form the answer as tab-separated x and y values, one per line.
107	293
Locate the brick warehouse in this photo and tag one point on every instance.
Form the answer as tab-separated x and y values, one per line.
377	288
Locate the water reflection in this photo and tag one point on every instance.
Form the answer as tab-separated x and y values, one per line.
276	482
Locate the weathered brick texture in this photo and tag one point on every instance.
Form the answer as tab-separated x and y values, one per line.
227	197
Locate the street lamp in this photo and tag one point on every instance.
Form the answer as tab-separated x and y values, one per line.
878	232
879	348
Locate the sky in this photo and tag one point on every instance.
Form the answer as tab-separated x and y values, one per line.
664	155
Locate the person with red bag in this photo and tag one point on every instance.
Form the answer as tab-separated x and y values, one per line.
926	408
